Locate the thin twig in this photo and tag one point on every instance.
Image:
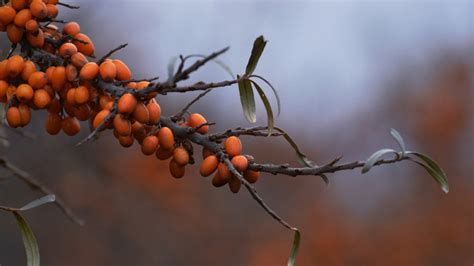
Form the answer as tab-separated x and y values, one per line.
185	109
120	47
68	6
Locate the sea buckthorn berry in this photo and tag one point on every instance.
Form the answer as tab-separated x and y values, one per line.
79	60
123	72
3	28
218	181
13	117
240	162
206	153
70	110
154	110
41	99
209	165
195	120
15	66
35	39
82	112
127	104
59	78
163	154
39	9
25	114
11	92
224	172
14	33
181	156
126	141
24	93
3	69
71	73
3	88
53	124
233	146
49	72
38	80
70	126
108	71
67	50
176	170
142	85
166	137
141	114
55	106
84	44
81	95
52	10
29	69
251	176
132	85
71	28
22	17
149	145
7	14
122	125
100	118
71	96
89	71
234	184
19	4
32	26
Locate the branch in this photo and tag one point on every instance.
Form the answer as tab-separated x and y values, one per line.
120	47
68	6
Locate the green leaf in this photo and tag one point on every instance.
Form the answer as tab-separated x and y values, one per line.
267	105
257	50
41	201
29	241
433	169
301	156
294	249
399	140
374	158
273	89
247	100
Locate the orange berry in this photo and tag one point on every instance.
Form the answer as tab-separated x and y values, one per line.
55	106
49	72
67	50
59	78
7	14
127	104
71	28
71	96
52	10
224	172
39	9
123	72
149	145
84	44
70	126
176	170
181	156
25	114
22	17
29	69
38	80
195	120
35	39
79	60
24	93
13	117
3	69
218	181
126	141
70	110
82	112
142	85
163	154
81	95
100	118
53	124
15	66
141	114
240	162
14	33
32	26
122	125
41	98
108	71
106	102
71	73
166	137
89	71
251	176
132	85
10	92
154	110
209	165
233	146
234	184
19	4
3	88
206	153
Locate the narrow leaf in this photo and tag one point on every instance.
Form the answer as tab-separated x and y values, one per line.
399	140
29	241
433	169
273	89
41	201
247	100
301	156
268	107
374	158
294	249
257	50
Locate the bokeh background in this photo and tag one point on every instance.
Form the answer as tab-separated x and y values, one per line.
346	71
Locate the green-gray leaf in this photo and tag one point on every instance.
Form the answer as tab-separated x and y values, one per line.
257	50
399	140
294	249
29	241
433	169
41	201
247	100
273	89
301	156
268	107
374	158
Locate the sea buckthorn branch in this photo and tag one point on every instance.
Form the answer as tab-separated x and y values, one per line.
120	47
260	131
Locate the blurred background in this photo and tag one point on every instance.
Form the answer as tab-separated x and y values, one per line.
346	71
